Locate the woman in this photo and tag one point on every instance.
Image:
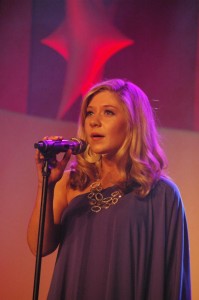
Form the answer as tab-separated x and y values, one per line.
119	222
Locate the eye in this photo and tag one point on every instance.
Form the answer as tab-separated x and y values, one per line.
89	113
109	112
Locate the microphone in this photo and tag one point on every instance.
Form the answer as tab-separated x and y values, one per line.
54	147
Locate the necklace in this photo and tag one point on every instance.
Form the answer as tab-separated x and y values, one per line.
98	201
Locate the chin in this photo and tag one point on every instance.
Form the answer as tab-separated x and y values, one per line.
103	152
99	152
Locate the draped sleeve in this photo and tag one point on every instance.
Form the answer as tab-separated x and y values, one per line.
177	251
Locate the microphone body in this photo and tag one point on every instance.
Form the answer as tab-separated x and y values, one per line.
54	147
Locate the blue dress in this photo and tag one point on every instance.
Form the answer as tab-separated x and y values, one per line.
137	249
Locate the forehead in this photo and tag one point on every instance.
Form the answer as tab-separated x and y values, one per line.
105	98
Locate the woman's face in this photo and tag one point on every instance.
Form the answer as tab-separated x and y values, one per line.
105	123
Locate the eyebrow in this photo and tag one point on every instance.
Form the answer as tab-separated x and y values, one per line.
104	106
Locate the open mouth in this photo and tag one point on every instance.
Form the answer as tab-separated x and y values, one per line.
96	136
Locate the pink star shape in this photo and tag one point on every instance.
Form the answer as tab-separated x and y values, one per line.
86	39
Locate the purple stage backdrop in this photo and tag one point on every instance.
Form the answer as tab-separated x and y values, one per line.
52	51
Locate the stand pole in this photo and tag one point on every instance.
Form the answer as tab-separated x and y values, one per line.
46	173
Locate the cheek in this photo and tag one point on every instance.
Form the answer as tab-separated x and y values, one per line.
122	127
86	128
120	131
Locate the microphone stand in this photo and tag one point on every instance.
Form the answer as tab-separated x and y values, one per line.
46	174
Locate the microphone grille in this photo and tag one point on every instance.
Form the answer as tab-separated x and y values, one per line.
81	146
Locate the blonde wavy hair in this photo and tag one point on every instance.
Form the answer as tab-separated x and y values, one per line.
140	159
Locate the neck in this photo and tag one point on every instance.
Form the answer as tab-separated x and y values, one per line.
109	173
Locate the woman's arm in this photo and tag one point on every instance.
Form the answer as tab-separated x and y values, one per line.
55	204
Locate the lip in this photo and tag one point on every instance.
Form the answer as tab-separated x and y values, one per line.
93	134
96	136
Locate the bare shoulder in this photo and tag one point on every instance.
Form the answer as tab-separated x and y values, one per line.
63	182
63	195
